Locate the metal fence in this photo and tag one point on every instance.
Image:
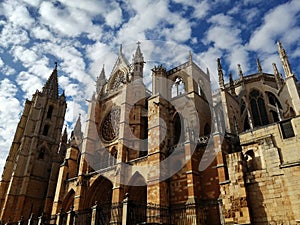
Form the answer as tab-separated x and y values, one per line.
137	214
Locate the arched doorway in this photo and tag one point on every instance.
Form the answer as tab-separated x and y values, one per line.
100	194
137	195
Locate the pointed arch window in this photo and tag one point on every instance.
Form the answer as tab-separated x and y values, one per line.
273	100
178	128
243	106
178	88
246	123
206	129
50	111
200	90
42	153
113	156
275	116
46	130
258	108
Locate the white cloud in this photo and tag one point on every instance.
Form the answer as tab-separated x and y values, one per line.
275	26
181	30
9	116
238	56
29	83
114	17
11	34
41	33
100	54
69	21
34	3
200	9
209	59
17	14
25	55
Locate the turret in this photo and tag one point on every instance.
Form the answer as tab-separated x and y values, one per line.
159	83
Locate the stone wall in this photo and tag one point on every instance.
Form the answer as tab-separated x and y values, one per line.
265	177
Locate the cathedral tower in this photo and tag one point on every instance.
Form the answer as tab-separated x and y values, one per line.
31	169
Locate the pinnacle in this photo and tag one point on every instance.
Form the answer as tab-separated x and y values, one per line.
138	56
51	86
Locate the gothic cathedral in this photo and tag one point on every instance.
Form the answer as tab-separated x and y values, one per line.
178	154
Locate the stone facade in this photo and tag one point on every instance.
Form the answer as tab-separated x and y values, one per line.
30	173
178	154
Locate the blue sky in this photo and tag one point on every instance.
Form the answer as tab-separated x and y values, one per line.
83	35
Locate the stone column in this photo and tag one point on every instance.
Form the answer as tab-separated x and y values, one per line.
70	217
157	190
94	214
192	213
31	219
125	210
59	217
21	221
41	220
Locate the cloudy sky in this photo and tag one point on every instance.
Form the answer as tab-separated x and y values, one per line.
82	35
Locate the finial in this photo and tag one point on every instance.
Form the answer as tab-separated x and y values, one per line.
207	72
241	75
275	68
231	83
281	49
284	60
220	73
55	65
190	57
138	43
258	65
121	48
277	75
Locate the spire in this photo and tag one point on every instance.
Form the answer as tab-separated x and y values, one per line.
231	83
76	135
138	56
241	75
101	80
64	137
259	68
63	142
220	73
77	128
285	61
51	86
278	77
121	63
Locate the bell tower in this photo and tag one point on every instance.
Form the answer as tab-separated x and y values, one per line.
31	168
